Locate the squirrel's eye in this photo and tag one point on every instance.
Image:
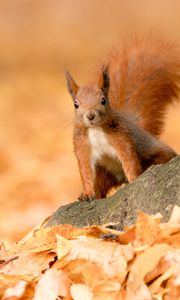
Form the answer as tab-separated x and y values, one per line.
76	104
103	101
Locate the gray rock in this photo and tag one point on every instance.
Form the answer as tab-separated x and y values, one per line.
156	190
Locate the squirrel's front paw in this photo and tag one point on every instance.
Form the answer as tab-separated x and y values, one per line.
86	197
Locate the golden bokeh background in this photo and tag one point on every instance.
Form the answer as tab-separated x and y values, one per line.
38	38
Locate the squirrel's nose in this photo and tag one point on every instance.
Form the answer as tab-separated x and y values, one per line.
91	115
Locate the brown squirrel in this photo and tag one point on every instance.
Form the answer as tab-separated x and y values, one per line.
119	117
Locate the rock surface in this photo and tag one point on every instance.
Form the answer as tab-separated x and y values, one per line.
156	190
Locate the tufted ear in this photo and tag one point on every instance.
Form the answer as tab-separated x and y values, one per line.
103	81
71	84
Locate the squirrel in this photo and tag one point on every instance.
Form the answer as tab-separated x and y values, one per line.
119	117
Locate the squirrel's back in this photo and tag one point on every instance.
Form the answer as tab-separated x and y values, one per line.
144	79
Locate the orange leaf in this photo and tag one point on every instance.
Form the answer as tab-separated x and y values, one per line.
155	286
52	283
147	261
63	246
44	239
175	215
111	256
29	264
147	230
81	292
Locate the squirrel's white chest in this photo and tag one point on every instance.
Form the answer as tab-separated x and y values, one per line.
100	145
103	153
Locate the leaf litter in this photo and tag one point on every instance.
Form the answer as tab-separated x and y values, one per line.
95	263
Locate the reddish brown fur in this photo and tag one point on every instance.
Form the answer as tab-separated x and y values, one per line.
104	182
144	79
82	151
144	76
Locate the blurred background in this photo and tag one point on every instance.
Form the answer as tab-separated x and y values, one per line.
38	38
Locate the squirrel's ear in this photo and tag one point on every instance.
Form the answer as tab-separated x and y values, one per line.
104	81
71	84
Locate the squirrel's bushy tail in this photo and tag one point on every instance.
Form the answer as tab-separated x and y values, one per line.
144	79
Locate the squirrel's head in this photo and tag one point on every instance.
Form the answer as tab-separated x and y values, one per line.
90	102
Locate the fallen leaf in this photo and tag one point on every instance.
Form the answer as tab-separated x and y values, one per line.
160	268
160	295
17	290
9	281
175	215
63	246
147	230
45	239
52	284
166	231
147	261
102	286
111	256
155	286
173	291
29	264
128	236
136	289
73	268
81	292
98	231
173	240
2	249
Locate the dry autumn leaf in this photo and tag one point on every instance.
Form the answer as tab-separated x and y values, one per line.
155	286
175	215
111	256
42	239
102	286
81	292
147	230
10	281
147	260
18	290
31	264
51	285
63	246
136	289
95	263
